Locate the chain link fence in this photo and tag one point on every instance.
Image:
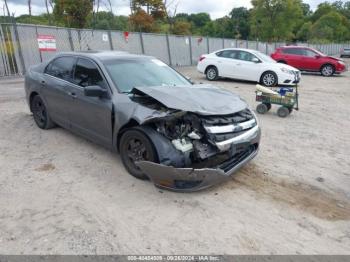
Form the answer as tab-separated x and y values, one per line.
19	47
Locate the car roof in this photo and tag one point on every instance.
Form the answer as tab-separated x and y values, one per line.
294	46
236	49
104	56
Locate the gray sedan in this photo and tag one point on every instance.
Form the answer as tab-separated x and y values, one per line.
181	136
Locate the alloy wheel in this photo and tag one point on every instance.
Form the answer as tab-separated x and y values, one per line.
269	79
327	70
211	73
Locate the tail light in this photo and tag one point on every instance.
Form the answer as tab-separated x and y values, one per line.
201	58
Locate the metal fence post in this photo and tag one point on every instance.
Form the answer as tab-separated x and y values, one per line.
257	45
208	49
190	43
40	54
266	48
246	43
236	43
70	39
141	42
20	53
223	43
110	40
168	47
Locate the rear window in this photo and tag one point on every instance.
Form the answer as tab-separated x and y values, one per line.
293	51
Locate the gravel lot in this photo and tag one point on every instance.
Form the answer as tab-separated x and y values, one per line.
60	194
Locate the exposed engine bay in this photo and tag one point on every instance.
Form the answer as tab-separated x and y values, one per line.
196	138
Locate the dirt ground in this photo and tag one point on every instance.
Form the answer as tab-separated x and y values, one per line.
60	194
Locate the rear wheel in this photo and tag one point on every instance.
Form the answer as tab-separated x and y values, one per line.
269	79
212	73
327	70
40	113
135	146
283	112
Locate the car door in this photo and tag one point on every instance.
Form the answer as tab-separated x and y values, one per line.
90	116
311	60
246	68
54	88
226	63
293	57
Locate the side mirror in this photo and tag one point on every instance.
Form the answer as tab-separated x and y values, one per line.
255	60
95	91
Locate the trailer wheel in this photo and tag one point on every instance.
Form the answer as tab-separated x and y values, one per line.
283	112
268	106
262	108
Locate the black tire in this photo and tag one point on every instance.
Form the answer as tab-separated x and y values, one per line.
268	106
269	79
283	112
40	114
262	108
135	146
327	70
212	73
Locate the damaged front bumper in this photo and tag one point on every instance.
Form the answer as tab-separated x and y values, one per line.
192	179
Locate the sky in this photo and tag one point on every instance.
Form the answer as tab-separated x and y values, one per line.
121	7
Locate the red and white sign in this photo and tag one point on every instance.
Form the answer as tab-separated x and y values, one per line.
47	42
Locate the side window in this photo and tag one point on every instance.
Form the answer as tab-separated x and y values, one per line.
62	68
229	54
309	53
293	51
87	74
245	56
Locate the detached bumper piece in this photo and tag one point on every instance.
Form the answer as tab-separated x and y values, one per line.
191	179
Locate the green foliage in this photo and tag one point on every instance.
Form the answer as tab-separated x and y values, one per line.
269	20
332	26
73	13
181	27
275	20
240	22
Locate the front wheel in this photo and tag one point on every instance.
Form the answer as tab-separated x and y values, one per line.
283	112
262	108
327	70
40	113
269	79
135	146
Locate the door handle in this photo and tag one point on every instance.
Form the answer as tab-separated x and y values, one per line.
72	94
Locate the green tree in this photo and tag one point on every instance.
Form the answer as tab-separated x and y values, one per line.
240	22
181	27
274	20
304	32
73	13
322	9
332	26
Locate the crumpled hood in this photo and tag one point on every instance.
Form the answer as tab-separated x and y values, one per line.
334	58
200	99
